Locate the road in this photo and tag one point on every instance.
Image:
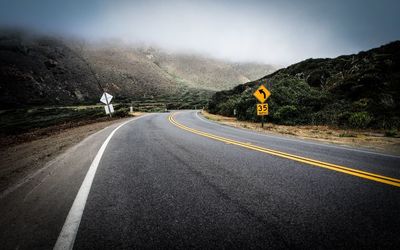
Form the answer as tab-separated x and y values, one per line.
181	181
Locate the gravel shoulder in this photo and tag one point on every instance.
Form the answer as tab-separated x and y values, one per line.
24	154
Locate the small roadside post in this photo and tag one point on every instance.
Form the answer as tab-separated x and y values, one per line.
106	99
262	94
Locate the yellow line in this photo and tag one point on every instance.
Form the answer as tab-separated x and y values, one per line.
326	165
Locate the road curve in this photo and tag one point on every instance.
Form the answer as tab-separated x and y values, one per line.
185	182
161	186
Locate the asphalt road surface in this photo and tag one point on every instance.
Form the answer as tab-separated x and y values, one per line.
181	181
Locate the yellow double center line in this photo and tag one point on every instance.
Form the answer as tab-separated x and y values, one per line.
334	167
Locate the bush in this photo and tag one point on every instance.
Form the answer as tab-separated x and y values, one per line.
323	91
226	108
391	133
287	114
359	120
121	111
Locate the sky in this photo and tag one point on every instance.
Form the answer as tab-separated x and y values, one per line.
275	32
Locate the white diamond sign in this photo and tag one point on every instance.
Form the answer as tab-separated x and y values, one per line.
106	98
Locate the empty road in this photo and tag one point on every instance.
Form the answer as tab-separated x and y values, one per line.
177	180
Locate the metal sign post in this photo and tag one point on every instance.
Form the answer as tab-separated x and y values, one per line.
262	94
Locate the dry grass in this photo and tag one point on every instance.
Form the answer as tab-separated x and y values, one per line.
369	139
136	113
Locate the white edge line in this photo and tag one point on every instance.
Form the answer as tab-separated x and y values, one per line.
30	177
69	231
296	140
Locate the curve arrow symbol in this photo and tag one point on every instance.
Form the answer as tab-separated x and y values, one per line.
261	91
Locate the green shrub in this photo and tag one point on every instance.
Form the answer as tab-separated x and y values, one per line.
361	104
359	120
121	111
391	133
226	108
287	114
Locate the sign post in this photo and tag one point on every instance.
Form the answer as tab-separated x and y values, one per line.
106	99
262	94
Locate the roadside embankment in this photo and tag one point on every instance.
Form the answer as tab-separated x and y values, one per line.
368	139
25	152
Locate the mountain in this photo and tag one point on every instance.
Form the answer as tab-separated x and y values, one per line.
360	90
43	70
202	72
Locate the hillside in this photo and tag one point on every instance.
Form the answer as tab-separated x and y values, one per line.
360	90
201	72
39	70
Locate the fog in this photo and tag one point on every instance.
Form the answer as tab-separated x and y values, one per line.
275	32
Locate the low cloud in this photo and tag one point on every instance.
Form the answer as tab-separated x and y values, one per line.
279	32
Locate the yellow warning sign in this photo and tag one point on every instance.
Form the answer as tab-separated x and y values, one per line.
262	94
262	109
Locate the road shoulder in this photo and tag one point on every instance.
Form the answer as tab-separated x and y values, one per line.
20	160
362	139
34	208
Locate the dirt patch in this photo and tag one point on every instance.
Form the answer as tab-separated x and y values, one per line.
368	139
10	139
22	154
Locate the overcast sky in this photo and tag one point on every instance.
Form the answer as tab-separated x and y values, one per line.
277	32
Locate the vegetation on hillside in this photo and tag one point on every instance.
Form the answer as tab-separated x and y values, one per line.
358	91
23	120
